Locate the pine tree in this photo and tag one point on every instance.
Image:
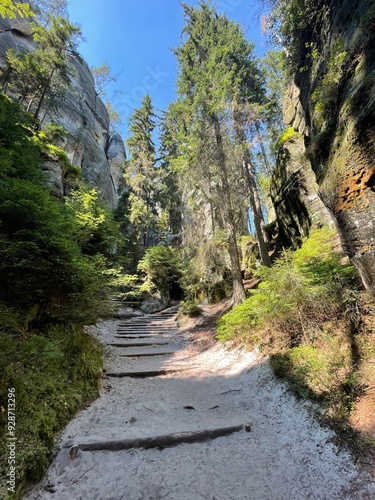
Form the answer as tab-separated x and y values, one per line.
41	77
169	196
217	77
141	175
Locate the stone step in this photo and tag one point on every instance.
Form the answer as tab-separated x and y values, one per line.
141	330
163	441
127	336
143	325
144	332
146	354
137	344
149	337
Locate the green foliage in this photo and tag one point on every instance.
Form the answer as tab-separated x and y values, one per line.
220	97
323	371
102	76
54	374
125	287
190	308
41	77
302	313
54	272
287	21
54	132
46	10
170	197
161	267
285	137
10	10
52	152
115	120
96	229
276	82
294	295
204	277
142	176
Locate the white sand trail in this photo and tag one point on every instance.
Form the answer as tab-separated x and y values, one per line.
287	455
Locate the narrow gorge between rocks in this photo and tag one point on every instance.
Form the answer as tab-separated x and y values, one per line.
187	250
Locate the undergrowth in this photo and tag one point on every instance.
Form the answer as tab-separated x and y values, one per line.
190	308
306	315
54	374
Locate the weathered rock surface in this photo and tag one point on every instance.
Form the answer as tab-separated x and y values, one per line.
155	303
294	194
116	156
332	106
85	118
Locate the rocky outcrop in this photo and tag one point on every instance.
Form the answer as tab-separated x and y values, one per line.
332	106
88	143
294	194
116	156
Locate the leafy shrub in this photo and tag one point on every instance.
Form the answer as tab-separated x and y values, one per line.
95	229
206	272
161	267
294	295
190	308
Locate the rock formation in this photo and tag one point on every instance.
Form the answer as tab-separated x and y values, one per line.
331	106
88	144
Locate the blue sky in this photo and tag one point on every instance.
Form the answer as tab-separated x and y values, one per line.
135	37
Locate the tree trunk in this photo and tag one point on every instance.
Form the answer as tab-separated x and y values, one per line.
263	150
43	95
238	288
248	170
257	212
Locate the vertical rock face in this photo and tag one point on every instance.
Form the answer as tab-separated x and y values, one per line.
85	118
332	106
115	153
294	193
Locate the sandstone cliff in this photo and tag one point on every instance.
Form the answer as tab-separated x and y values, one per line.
89	144
330	161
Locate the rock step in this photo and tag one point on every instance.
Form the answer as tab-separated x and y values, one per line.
144	331
152	318
146	354
144	328
127	336
146	336
166	441
158	316
138	344
138	327
145	325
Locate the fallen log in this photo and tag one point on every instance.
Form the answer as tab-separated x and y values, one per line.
147	373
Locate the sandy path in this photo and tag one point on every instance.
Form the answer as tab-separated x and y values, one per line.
286	455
